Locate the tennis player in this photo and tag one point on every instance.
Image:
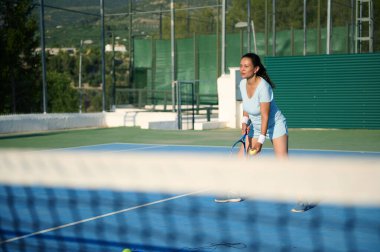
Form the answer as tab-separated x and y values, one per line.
267	121
258	105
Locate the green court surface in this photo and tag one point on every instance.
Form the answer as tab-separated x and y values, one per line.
324	139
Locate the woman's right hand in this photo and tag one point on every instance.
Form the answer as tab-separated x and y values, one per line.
244	128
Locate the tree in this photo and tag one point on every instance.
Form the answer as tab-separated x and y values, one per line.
187	22
63	63
19	65
62	97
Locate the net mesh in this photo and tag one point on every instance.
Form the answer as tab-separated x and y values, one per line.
64	201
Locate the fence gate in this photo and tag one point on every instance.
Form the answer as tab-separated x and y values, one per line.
186	104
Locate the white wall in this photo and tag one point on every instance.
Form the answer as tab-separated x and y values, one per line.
140	118
46	122
230	108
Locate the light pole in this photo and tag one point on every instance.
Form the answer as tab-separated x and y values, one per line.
113	75
113	106
113	72
173	50
241	26
80	76
274	27
248	26
43	56
86	42
304	28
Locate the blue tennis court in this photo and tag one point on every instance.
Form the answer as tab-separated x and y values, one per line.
218	150
40	218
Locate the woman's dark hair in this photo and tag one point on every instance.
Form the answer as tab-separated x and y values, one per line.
256	61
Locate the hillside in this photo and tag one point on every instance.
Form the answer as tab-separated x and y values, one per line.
69	21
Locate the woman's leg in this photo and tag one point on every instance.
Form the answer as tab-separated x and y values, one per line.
280	146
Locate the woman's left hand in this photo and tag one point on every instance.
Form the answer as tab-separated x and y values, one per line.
257	147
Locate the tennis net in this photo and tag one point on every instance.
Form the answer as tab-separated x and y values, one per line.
63	201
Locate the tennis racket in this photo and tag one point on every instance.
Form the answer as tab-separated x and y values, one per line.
236	147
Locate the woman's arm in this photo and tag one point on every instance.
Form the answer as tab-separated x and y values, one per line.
264	111
244	125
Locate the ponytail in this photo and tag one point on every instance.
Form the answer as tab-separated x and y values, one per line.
263	74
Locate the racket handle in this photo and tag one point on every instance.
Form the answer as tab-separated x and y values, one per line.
249	122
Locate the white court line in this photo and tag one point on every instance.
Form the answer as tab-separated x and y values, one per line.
156	145
84	146
78	147
139	148
208	146
97	217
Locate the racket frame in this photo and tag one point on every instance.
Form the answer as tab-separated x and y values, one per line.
242	140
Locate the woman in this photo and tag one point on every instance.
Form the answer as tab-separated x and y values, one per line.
267	121
258	105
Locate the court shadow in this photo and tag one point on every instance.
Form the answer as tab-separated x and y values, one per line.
219	246
30	135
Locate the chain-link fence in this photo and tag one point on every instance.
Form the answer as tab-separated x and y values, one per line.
138	66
